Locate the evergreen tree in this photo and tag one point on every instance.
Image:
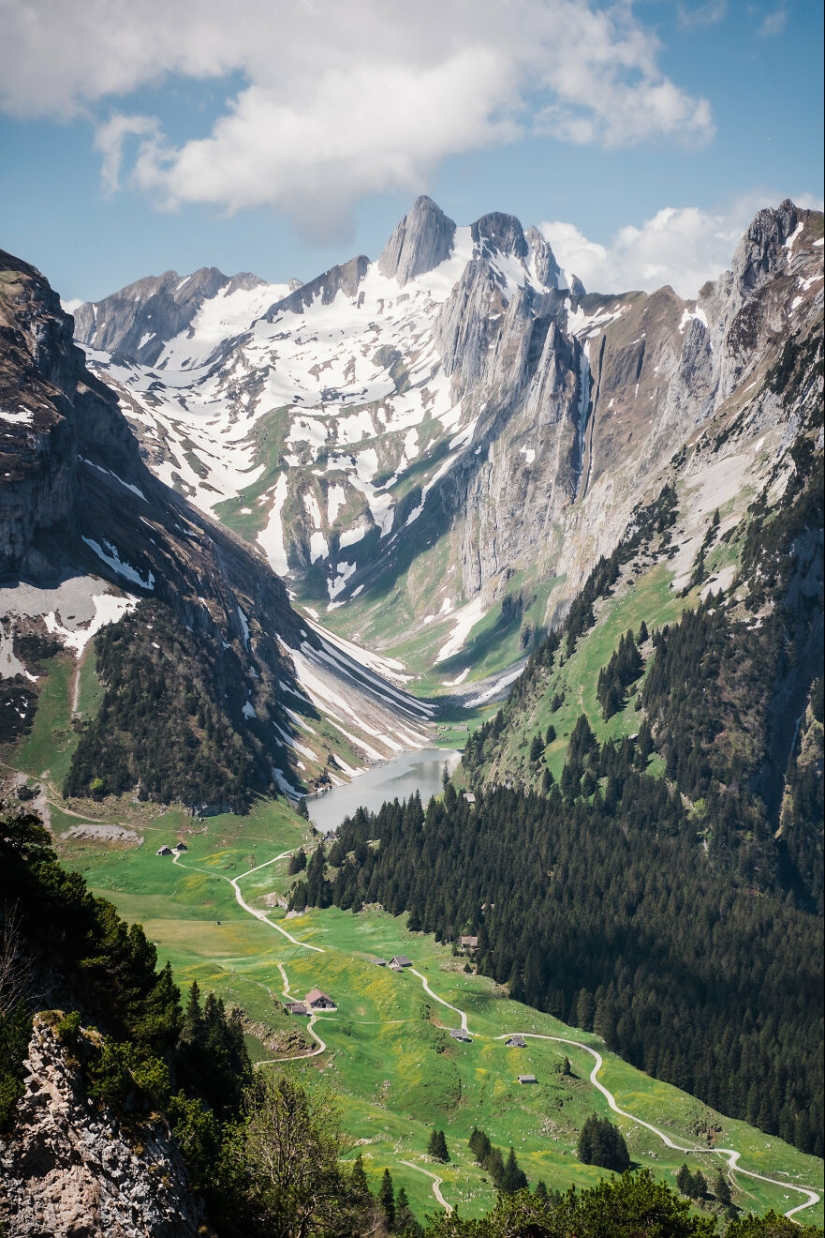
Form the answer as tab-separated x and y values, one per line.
601	1143
513	1179
684	1181
721	1189
358	1180
437	1146
297	861
386	1198
479	1145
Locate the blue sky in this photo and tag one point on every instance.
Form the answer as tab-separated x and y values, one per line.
138	135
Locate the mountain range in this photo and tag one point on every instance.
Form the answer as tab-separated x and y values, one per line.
258	536
443	442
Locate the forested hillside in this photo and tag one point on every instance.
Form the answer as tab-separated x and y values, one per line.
666	890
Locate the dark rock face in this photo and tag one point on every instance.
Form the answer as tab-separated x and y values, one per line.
499	233
421	241
71	476
344	278
138	320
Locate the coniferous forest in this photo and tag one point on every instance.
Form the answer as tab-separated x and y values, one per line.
666	892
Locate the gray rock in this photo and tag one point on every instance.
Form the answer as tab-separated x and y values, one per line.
421	241
498	233
67	1177
138	320
343	278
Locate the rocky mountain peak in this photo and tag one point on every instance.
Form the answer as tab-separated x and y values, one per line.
760	252
421	241
498	233
542	259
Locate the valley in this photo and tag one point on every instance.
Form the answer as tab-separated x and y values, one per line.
263	538
393	1067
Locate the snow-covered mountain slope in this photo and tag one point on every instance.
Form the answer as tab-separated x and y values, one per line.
89	533
431	449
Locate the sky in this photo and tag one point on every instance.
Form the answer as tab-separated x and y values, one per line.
282	136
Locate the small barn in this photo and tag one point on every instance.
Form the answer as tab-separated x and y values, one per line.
516	1042
400	960
469	797
527	1079
181	847
459	1034
296	1008
468	943
164	851
380	962
316	1000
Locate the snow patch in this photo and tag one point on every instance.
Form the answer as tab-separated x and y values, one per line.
271	538
466	619
113	559
108	609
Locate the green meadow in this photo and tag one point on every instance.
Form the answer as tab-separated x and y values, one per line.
389	1058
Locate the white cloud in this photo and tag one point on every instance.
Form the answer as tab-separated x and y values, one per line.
773	23
682	247
339	100
110	138
692	16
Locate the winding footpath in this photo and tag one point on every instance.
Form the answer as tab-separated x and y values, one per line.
295	1057
263	916
436	1180
429	991
729	1155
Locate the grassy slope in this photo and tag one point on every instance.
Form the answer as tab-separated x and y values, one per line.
575	678
394	1067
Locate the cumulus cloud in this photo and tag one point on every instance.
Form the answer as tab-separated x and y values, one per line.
682	247
339	100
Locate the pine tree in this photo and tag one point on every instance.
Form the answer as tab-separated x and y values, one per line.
192	1016
721	1189
405	1222
358	1180
437	1146
386	1198
514	1178
684	1181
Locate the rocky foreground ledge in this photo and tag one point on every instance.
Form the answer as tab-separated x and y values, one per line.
71	1170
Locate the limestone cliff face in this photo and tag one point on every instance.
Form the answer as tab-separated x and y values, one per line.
82	513
72	1170
460	379
422	240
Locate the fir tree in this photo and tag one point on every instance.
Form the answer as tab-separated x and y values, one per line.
386	1198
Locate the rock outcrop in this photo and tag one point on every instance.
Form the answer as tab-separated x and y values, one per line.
421	241
73	1170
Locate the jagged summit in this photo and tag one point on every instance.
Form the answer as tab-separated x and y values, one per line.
499	233
461	392
140	319
421	241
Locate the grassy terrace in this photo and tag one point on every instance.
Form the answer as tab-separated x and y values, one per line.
388	1054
